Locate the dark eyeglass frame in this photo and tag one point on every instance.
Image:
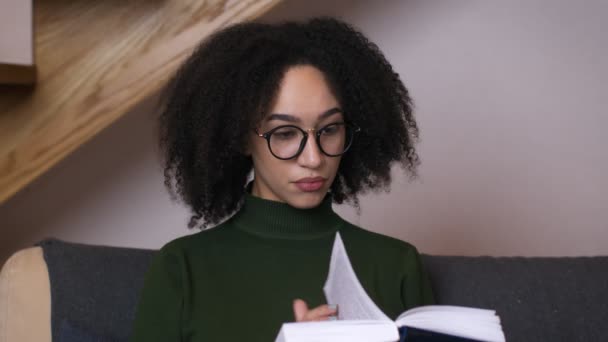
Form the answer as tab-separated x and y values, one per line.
318	132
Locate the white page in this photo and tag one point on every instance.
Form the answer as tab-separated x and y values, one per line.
339	331
343	288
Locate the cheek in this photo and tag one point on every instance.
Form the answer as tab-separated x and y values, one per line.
260	152
263	161
334	164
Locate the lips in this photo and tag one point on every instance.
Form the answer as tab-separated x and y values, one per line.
310	183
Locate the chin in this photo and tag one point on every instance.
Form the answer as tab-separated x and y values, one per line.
308	200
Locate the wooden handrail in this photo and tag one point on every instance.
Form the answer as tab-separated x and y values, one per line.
96	60
17	74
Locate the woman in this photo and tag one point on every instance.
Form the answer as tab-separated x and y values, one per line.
316	111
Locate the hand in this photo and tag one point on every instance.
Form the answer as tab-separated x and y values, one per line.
320	313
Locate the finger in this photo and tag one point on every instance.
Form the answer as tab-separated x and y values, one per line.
321	312
300	310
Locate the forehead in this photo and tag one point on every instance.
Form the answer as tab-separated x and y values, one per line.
304	94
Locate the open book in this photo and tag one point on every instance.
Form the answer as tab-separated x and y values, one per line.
360	319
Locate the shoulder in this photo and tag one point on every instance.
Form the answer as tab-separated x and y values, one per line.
196	241
175	257
362	239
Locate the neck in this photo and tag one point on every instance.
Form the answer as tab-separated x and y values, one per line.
274	219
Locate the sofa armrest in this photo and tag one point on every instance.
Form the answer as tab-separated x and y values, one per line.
25	298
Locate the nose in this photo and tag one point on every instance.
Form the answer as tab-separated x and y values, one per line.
311	157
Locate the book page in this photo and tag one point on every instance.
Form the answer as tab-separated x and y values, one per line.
343	288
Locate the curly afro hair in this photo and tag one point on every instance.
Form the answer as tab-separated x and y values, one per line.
229	82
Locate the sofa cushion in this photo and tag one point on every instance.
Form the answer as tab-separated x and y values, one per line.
69	332
537	299
95	288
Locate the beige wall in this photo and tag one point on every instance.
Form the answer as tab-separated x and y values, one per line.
510	98
16	32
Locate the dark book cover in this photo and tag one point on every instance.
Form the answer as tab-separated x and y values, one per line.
409	334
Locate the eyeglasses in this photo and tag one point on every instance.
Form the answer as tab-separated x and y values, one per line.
288	141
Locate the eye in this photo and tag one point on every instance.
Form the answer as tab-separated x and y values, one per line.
286	133
331	129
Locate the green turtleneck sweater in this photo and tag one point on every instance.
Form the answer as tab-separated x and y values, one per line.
237	281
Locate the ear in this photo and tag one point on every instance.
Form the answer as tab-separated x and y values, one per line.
247	142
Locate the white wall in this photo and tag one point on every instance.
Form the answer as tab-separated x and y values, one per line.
510	98
16	36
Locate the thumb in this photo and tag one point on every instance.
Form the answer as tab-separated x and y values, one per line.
300	308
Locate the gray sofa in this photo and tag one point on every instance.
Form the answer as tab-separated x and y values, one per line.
94	291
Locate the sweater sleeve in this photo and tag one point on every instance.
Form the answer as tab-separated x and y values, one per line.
416	287
158	313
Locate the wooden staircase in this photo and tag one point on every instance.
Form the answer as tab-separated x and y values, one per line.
95	60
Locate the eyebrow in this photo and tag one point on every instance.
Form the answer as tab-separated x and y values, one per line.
291	118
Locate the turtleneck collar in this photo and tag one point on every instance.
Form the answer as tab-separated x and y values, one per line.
275	219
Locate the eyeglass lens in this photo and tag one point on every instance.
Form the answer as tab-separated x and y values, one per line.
286	142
